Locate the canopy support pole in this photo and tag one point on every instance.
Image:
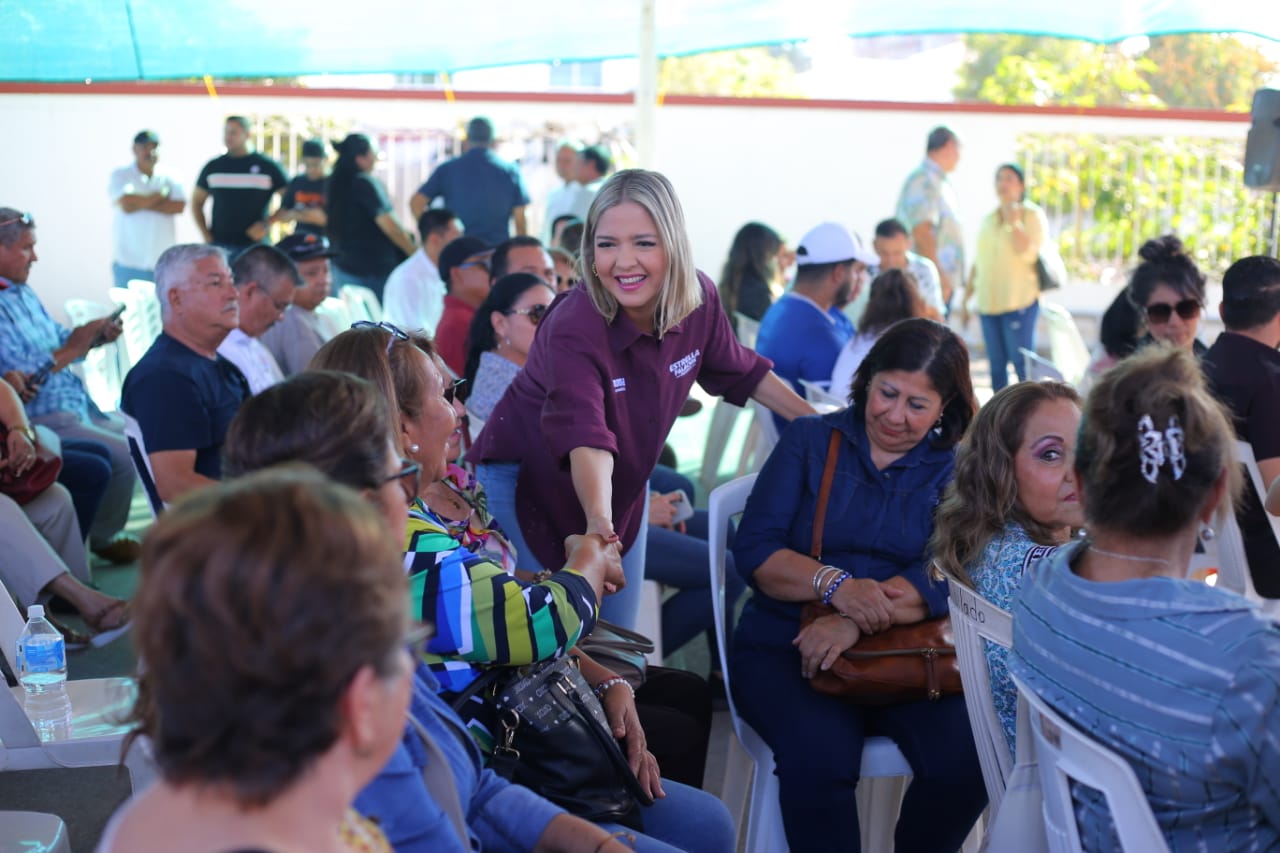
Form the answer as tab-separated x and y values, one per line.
647	87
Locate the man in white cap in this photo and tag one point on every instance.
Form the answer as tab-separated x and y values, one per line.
804	331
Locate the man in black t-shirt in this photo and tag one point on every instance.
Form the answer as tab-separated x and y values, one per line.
1244	368
303	200
241	183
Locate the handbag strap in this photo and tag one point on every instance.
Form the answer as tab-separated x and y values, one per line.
824	495
440	782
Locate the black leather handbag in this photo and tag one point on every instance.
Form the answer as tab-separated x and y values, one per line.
551	736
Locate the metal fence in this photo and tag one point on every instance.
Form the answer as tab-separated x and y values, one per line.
1105	195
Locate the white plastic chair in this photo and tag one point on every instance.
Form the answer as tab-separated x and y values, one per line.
1067	755
334	316
974	619
724	417
884	769
748	329
142	464
362	303
100	369
90	731
1067	349
821	398
1037	367
139	332
1245	451
32	832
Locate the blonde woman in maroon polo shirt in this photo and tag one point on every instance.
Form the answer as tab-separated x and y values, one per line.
570	446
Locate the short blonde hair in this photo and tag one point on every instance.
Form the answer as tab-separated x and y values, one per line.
681	292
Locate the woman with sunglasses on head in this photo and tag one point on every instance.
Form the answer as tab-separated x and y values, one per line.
1167	288
570	446
500	339
460	573
339	424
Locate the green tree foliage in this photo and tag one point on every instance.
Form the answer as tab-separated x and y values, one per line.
1203	71
750	72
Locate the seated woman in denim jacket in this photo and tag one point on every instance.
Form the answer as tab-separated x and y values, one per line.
1013	501
912	400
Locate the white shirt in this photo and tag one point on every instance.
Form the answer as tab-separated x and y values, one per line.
560	202
586	193
413	298
254	360
140	237
929	285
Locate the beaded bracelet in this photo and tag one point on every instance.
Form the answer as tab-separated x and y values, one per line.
822	577
831	590
603	687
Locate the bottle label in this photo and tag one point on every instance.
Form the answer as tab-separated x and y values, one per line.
43	653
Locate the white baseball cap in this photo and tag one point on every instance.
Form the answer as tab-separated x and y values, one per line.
832	243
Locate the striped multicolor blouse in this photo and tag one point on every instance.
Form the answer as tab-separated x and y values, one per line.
481	614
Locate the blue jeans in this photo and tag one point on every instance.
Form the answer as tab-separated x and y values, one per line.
685	819
86	473
1004	334
123	274
621	608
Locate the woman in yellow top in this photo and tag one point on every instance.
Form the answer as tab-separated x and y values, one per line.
1004	275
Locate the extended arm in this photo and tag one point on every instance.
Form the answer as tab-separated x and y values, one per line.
175	473
197	213
396	232
778	397
418	204
592	471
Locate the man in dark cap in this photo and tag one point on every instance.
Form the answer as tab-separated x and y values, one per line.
303	200
486	192
464	267
146	201
300	333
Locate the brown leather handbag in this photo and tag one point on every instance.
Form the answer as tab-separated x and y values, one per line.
30	484
906	663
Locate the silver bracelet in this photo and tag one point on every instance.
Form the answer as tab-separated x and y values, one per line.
603	687
822	577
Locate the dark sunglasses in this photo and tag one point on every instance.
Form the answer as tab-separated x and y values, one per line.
452	390
24	218
397	334
1161	312
410	474
535	313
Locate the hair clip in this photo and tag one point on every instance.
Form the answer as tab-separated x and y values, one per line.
1155	448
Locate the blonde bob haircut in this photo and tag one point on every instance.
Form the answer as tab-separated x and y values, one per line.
681	293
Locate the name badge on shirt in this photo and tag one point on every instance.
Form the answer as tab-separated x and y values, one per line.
684	365
619	385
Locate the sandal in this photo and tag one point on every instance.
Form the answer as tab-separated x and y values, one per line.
72	639
120	624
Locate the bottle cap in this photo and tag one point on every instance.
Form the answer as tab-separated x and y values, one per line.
35	611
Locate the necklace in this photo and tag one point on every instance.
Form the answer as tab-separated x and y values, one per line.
1132	558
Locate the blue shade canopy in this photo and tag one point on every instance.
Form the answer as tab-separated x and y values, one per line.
71	40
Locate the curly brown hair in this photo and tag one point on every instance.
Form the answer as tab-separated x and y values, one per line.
260	600
983	495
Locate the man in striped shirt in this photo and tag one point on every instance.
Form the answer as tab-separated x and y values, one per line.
242	183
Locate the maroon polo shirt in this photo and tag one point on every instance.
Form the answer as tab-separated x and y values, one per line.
452	331
611	387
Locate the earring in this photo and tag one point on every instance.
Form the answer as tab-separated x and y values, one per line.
593	271
1206	533
413	448
508	340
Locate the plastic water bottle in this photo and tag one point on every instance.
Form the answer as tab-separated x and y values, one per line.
49	711
42	653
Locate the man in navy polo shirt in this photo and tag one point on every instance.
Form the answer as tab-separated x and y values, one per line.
485	191
803	332
242	183
181	392
1243	367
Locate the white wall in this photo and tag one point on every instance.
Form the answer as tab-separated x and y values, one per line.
788	166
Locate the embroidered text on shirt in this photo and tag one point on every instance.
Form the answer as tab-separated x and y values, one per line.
619	385
684	365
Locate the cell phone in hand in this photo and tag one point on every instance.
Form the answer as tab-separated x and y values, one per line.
684	508
40	375
100	338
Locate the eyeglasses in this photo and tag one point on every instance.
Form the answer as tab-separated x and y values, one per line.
397	334
410	474
1161	312
452	391
535	313
24	218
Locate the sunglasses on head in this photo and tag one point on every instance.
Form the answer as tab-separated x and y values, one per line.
397	334
24	218
1161	312
535	313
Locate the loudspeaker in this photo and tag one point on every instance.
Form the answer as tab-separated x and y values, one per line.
1262	149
